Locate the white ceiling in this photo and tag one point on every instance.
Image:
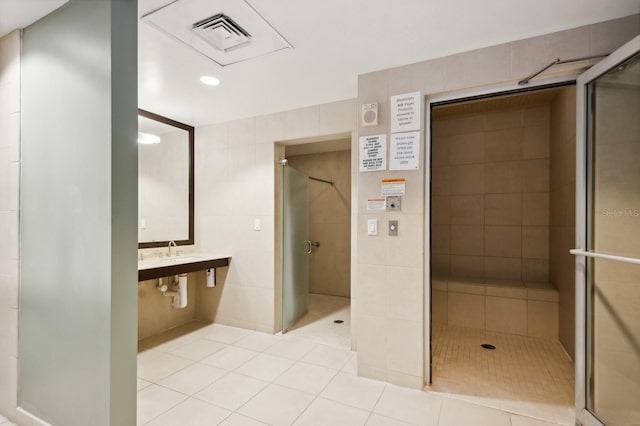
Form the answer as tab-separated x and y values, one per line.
16	14
334	41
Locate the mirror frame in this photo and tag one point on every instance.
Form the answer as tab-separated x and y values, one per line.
191	131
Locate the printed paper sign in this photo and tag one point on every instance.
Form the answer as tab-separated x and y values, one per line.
405	112
373	153
393	187
376	203
405	151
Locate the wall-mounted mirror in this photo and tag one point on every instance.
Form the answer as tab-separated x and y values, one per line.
165	181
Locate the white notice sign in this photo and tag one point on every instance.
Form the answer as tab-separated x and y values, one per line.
405	112
377	203
393	187
373	153
405	151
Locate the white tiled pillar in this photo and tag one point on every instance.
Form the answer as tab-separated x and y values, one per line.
9	203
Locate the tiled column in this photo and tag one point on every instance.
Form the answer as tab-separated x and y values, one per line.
9	203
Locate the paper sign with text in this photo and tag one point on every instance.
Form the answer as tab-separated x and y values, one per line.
405	112
405	151
376	203
373	153
393	187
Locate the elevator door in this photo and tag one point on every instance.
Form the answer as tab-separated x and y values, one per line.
608	241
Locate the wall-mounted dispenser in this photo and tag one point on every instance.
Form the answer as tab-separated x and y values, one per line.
211	277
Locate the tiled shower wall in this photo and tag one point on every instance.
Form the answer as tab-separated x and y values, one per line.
490	186
391	299
236	182
329	220
9	204
563	211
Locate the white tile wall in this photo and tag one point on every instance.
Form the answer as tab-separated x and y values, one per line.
9	139
234	171
497	65
9	205
235	183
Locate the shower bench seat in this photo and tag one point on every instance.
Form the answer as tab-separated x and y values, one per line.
515	307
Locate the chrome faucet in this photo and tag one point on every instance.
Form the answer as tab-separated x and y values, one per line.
172	243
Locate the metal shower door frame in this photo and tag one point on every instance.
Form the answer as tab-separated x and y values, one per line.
583	416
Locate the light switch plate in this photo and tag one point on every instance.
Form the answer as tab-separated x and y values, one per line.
393	228
372	227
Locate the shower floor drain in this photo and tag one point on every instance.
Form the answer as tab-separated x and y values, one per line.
488	346
338	321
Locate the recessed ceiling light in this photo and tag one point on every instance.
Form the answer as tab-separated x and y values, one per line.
209	80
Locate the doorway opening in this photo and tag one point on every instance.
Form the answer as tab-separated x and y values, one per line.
316	257
502	224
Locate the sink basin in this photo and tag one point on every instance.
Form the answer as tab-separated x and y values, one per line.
163	267
179	259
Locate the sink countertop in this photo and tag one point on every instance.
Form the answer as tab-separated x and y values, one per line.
189	262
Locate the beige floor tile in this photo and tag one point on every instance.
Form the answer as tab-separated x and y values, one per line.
528	421
291	348
232	391
172	338
158	367
546	411
155	400
168	346
277	405
524	375
378	420
148	355
191	412
240	420
323	305
457	412
258	341
476	396
307	378
265	367
468	379
409	405
222	333
355	391
198	349
230	357
318	324
328	356
323	412
193	378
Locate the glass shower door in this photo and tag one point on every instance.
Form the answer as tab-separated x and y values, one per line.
608	263
296	246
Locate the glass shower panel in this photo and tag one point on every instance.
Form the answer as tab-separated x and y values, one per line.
613	287
295	268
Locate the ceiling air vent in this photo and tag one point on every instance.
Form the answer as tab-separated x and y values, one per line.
222	32
218	37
